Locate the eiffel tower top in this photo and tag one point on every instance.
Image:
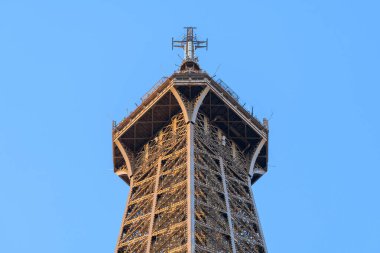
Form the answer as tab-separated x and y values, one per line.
189	44
188	91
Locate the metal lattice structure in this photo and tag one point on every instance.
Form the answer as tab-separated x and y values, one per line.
190	153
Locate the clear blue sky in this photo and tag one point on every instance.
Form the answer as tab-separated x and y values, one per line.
68	68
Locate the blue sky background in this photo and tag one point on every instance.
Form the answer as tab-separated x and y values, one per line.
68	68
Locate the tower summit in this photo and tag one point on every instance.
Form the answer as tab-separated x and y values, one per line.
190	153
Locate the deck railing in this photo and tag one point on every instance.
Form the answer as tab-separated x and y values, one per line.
154	88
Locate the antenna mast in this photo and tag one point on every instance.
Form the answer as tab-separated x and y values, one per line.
189	44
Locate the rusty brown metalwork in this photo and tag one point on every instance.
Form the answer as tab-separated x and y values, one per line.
190	153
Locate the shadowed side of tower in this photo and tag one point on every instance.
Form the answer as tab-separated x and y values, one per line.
190	153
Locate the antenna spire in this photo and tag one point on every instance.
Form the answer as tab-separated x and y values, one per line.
189	44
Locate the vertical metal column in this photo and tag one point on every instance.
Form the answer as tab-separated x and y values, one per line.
257	216
226	196
154	198
190	188
124	216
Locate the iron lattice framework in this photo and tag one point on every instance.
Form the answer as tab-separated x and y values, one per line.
155	218
190	153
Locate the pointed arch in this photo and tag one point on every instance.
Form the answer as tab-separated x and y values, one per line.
126	159
255	155
181	103
199	102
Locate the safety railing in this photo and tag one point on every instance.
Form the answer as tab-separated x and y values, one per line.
154	88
